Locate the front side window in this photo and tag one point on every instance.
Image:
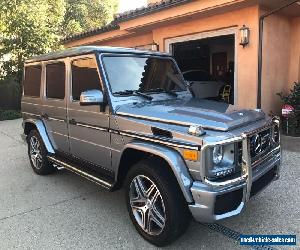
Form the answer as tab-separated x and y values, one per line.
144	74
55	80
32	80
84	77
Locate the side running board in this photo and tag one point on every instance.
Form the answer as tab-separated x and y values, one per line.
89	175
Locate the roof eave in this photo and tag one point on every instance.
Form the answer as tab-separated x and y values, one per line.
152	8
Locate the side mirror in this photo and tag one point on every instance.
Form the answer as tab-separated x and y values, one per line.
91	97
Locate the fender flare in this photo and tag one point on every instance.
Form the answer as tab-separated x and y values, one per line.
175	161
43	133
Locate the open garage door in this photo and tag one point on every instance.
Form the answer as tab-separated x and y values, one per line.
208	64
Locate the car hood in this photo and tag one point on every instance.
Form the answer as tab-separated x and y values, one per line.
191	111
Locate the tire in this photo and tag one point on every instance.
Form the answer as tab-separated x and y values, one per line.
151	191
37	154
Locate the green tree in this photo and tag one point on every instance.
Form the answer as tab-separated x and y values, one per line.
32	27
27	28
82	15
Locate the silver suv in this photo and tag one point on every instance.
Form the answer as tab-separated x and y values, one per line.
126	118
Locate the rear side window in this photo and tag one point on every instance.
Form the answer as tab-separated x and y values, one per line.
55	80
84	77
32	80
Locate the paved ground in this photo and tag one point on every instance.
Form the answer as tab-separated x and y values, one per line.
63	211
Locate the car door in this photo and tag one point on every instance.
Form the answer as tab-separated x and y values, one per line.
54	109
88	125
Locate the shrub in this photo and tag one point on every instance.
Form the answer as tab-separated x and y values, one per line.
9	115
291	124
293	98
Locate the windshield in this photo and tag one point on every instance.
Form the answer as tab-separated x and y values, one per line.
143	74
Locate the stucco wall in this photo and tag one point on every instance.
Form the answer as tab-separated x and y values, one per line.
130	41
134	34
276	61
281	50
294	74
246	71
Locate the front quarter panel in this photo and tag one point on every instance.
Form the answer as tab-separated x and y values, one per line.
174	160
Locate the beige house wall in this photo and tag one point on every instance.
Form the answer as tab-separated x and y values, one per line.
246	57
281	59
294	73
130	42
276	61
281	50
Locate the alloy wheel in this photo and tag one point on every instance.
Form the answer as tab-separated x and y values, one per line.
35	152
147	205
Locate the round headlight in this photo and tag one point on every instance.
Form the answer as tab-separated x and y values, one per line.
218	154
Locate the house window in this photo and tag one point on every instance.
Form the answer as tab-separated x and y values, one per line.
55	80
84	77
32	80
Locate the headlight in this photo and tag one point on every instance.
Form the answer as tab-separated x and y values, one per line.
220	161
217	154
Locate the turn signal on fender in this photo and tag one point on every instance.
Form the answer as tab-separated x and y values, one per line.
190	155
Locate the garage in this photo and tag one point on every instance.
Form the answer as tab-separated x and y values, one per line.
208	64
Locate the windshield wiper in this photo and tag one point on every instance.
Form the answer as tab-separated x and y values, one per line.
143	95
133	92
169	92
124	92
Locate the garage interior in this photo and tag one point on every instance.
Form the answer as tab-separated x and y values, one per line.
208	64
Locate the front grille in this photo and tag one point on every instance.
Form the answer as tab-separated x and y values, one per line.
260	144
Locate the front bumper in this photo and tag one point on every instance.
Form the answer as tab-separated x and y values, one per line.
214	203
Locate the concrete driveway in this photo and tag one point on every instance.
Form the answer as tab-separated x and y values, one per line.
64	211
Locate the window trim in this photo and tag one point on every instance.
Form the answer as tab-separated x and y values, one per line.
45	79
41	80
82	57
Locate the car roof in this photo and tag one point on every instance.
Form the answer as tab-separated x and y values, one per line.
82	50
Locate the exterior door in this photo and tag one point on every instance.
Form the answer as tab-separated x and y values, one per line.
54	112
88	125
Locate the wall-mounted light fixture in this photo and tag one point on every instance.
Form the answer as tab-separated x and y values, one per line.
245	35
154	46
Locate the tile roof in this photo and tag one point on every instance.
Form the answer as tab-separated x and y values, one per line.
109	27
154	7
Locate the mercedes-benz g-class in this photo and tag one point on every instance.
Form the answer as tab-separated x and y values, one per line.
126	118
